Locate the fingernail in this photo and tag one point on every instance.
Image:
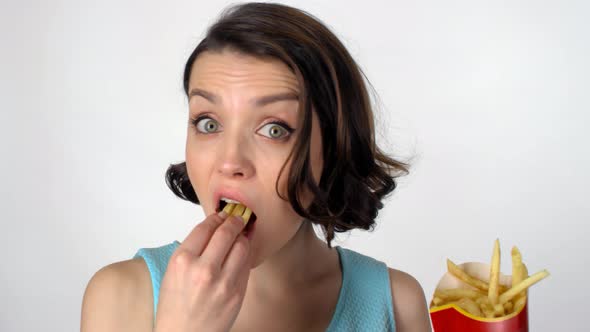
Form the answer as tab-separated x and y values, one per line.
240	219
222	214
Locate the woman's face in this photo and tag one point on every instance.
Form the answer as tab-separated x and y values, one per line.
242	110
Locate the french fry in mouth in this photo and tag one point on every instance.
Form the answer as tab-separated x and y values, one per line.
247	214
233	209
229	208
238	210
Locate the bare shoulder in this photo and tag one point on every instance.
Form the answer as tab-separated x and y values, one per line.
409	303
118	297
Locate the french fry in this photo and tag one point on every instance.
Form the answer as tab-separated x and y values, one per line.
519	270
469	306
519	304
526	283
521	286
490	299
465	277
233	209
494	275
229	208
437	301
484	305
508	306
498	310
247	214
457	293
488	312
482	300
238	210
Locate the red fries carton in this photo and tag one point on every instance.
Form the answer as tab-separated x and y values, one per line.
451	318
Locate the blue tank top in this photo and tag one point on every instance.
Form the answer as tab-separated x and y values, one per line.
364	302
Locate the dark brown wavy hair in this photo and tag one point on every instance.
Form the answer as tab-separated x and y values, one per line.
356	174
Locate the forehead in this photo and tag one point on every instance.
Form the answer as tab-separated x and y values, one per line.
224	70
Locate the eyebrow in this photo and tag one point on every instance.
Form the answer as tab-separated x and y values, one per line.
259	101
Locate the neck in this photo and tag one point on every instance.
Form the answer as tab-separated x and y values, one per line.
301	261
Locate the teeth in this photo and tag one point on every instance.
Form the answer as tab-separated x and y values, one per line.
229	200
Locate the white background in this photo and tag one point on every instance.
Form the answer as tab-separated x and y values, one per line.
488	98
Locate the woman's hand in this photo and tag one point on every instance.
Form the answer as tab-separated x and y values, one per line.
206	279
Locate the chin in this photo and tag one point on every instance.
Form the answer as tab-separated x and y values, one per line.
256	261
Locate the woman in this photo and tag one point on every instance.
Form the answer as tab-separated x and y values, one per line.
280	124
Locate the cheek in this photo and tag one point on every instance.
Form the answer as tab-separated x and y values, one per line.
306	194
197	167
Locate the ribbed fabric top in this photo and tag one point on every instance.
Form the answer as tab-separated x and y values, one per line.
364	302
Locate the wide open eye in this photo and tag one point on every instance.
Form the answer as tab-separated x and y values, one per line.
276	130
206	125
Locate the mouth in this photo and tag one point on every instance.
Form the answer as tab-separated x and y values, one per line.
249	229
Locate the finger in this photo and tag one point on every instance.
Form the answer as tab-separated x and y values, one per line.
237	257
200	235
222	240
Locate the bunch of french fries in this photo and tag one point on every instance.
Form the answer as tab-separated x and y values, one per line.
490	299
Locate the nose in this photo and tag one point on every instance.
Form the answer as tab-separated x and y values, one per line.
234	161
